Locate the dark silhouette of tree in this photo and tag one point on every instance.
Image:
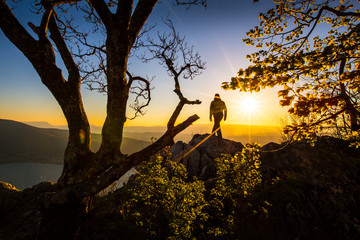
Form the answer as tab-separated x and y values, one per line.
179	60
85	172
311	48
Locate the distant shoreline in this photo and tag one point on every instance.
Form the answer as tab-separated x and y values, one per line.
11	162
28	174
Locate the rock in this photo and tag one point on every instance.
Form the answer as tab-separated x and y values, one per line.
271	146
198	156
313	192
214	147
316	192
183	153
208	172
205	160
20	215
9	196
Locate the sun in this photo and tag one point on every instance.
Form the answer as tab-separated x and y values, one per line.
249	104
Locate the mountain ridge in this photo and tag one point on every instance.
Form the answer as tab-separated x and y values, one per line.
235	132
20	142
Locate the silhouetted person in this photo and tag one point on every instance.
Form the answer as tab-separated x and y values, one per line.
218	110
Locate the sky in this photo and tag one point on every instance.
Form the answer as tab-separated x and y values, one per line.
215	32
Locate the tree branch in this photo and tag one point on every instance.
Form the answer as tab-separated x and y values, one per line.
104	13
166	140
142	12
136	106
123	11
311	30
191	2
16	33
115	171
74	76
61	2
45	22
340	13
173	52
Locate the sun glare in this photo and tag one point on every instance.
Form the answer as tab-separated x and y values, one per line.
250	104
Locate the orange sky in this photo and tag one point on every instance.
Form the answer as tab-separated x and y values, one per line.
267	113
216	34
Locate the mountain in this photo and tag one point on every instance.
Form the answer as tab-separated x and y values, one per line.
234	132
20	142
93	128
43	125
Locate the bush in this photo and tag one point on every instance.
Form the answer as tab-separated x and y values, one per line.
237	178
162	203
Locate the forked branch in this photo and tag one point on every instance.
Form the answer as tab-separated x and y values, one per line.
179	59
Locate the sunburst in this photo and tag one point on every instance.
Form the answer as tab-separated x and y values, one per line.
250	104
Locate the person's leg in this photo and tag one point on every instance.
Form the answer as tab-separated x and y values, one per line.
219	132
216	126
217	119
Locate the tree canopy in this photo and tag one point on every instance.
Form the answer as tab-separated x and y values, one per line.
57	36
311	48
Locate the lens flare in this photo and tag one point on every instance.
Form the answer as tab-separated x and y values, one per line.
250	104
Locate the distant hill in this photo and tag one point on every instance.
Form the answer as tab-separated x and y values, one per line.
94	128
235	132
20	142
43	125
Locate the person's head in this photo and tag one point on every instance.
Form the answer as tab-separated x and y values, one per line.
217	95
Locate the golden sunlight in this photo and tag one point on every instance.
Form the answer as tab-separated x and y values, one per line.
249	104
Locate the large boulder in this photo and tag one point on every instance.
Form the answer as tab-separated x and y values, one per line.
183	153
198	156
214	147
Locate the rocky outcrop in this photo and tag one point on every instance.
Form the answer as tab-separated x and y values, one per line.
199	154
19	210
313	191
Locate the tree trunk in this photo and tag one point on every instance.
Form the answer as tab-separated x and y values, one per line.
86	173
117	92
351	110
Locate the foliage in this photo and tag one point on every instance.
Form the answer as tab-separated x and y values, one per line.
354	139
311	48
161	202
237	178
303	133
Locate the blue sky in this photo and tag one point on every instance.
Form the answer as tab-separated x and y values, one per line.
216	33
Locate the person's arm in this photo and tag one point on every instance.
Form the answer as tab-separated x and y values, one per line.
211	111
225	112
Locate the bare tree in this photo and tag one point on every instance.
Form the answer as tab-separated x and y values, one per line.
179	60
86	172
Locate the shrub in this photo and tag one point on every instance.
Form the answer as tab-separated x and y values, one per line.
162	203
236	179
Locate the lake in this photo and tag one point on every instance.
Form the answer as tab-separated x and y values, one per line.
23	175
